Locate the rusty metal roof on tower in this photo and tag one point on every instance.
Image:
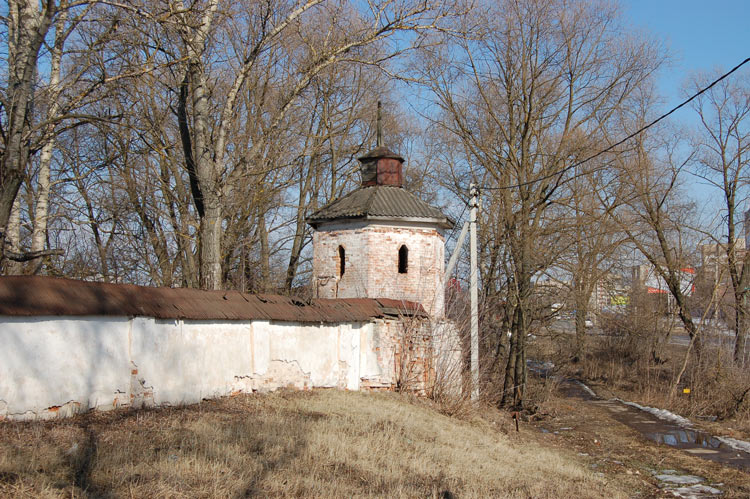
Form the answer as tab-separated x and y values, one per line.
380	202
380	152
50	296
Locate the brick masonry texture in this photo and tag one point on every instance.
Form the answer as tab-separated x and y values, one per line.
371	269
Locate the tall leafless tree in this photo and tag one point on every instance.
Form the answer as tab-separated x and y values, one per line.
526	90
724	160
223	49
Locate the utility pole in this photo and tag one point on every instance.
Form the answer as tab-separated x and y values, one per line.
474	295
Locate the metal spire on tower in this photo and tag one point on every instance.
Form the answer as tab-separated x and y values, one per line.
379	140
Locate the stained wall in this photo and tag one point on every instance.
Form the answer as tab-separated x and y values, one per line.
53	366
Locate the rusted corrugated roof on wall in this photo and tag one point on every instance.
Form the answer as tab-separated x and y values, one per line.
45	296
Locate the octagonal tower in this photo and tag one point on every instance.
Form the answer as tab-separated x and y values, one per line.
380	240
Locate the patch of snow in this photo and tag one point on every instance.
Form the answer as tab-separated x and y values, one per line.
659	413
665	472
588	390
695	491
735	444
680	479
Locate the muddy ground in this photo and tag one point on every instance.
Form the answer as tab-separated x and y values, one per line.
624	455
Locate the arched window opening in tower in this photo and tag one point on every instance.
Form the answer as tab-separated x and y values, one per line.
342	261
403	259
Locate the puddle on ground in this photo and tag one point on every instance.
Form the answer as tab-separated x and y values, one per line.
671	433
661	431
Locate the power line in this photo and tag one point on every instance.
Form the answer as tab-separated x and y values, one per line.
642	129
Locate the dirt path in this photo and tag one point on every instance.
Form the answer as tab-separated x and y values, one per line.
594	430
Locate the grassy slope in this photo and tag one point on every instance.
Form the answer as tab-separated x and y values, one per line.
305	444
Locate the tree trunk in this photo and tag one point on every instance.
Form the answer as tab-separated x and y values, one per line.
41	210
27	28
520	328
13	239
207	197
740	342
582	308
265	255
510	367
210	232
299	233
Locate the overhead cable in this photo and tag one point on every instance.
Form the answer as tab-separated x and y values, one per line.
637	132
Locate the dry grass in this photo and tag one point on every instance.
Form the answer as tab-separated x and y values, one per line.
626	369
303	444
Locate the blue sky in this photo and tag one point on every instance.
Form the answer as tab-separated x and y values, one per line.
701	35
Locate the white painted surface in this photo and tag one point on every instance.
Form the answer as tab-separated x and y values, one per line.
50	363
52	366
186	361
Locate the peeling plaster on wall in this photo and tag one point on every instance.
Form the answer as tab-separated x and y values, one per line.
343	370
65	410
47	362
140	394
244	383
375	365
121	399
283	374
53	366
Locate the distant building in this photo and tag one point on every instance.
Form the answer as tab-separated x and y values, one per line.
646	277
714	258
611	294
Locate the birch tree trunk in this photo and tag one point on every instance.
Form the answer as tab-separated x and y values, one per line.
41	208
13	238
28	24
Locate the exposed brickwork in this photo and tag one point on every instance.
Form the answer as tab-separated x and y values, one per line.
371	269
404	350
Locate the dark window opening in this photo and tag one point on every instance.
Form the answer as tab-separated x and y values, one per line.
342	261
403	259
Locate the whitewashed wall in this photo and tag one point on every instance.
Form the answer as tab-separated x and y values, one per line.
52	366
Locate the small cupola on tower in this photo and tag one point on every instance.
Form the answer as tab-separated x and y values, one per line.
381	166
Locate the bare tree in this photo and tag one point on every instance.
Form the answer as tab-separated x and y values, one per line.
590	239
26	26
655	212
526	91
57	65
223	51
724	161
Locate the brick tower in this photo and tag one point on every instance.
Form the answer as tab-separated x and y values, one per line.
380	240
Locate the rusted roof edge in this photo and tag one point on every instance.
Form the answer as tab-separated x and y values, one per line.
36	296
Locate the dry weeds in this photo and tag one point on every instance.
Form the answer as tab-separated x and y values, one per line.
717	390
302	444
